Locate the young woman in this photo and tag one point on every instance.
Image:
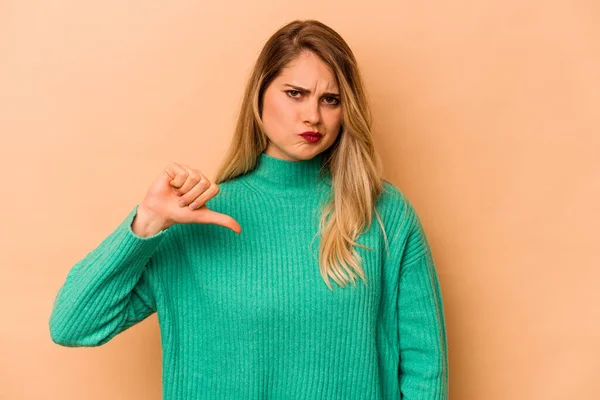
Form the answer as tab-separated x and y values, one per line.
328	292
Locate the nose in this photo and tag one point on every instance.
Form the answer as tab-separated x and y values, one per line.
311	114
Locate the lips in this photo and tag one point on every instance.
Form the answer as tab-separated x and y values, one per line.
311	133
311	136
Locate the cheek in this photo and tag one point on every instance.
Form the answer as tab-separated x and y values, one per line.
277	110
334	118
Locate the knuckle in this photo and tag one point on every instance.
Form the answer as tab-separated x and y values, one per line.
204	182
181	172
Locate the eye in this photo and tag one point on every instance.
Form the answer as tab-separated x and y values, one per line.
335	103
289	92
329	100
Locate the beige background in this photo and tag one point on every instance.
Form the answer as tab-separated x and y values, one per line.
486	116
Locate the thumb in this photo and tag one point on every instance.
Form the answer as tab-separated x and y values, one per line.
212	217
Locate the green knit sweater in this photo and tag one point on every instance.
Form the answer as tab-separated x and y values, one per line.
249	316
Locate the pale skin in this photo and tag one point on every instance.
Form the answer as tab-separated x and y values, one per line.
303	97
288	112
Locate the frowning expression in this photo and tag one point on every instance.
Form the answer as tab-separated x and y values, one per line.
304	97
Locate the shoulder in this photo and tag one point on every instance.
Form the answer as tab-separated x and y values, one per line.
395	207
406	232
401	221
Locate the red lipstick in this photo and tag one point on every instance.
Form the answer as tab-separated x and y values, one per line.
311	136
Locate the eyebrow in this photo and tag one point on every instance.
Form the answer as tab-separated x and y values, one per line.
301	89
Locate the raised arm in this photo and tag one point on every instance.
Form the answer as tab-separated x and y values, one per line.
110	289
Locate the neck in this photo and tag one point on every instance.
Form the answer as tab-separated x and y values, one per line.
280	176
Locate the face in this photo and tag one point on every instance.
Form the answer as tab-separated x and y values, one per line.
304	97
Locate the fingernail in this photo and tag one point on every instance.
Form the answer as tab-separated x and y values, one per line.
182	203
193	206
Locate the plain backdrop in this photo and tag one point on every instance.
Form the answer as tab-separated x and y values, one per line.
486	115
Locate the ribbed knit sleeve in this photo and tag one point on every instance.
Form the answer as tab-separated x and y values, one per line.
423	347
107	291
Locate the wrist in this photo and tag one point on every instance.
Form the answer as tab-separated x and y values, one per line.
147	223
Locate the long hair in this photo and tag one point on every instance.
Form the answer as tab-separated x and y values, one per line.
354	165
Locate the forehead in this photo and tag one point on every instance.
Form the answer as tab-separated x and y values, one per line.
308	70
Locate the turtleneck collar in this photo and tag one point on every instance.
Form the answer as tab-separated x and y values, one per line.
284	176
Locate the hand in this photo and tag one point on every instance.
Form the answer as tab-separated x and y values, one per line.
180	183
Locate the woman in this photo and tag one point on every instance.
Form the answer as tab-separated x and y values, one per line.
316	299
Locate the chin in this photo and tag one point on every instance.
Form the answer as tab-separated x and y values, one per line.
306	152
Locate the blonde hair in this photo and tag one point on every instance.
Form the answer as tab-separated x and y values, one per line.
352	160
